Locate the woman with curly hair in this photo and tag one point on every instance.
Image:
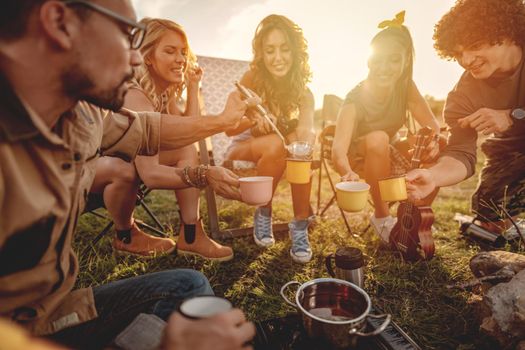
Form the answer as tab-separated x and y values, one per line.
375	110
279	73
486	37
169	69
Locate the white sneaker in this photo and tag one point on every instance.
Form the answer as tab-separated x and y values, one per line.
383	227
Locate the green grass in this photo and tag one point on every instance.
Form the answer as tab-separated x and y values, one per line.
415	294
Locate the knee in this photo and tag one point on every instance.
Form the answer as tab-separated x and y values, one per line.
188	157
123	172
129	174
274	149
173	286
187	283
377	143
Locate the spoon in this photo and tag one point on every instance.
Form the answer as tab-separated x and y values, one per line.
247	94
293	148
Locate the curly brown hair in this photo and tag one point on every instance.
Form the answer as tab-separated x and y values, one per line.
283	97
471	22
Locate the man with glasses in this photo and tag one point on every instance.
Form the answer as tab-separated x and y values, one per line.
486	37
54	54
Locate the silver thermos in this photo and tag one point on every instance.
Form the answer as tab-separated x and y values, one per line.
349	264
480	234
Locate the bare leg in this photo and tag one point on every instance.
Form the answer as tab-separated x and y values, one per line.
119	182
301	200
188	198
158	172
377	166
269	154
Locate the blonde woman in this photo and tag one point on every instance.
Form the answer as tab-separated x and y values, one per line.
168	72
279	73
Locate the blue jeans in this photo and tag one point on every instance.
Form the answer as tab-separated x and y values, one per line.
118	303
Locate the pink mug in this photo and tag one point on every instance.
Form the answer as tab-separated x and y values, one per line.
256	190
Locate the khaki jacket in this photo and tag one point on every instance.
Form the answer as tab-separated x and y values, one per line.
45	177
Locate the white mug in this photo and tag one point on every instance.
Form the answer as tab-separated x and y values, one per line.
204	306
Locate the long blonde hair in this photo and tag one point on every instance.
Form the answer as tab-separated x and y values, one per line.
155	30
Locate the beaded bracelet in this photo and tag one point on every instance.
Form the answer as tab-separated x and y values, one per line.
198	178
202	178
186	177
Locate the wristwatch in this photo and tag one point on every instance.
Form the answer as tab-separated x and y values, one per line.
518	114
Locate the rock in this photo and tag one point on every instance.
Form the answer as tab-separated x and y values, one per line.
489	263
506	303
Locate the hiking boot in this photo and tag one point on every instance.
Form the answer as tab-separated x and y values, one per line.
139	243
512	233
194	241
300	251
262	227
383	227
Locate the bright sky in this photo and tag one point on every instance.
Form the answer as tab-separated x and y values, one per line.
338	34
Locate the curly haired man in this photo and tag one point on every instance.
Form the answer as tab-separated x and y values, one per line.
486	37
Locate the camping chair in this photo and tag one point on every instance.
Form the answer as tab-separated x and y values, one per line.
329	112
218	81
96	201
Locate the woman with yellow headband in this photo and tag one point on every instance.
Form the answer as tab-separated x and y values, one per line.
375	110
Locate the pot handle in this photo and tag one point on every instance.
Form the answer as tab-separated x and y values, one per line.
328	263
283	289
376	331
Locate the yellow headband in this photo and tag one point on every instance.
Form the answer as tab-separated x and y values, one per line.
396	22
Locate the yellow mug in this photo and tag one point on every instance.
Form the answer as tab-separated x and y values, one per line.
393	189
298	171
352	195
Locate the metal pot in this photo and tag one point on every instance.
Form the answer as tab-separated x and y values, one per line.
334	309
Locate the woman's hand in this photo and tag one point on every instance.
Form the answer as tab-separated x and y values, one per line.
224	182
194	75
350	176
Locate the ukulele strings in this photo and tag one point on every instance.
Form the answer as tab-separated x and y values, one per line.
405	233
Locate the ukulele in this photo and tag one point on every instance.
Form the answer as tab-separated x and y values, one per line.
412	235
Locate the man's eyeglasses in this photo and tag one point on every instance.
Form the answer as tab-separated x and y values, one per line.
137	32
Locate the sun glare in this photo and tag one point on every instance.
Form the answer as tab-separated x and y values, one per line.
338	34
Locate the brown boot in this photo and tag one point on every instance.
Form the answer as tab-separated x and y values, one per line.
194	241
142	244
